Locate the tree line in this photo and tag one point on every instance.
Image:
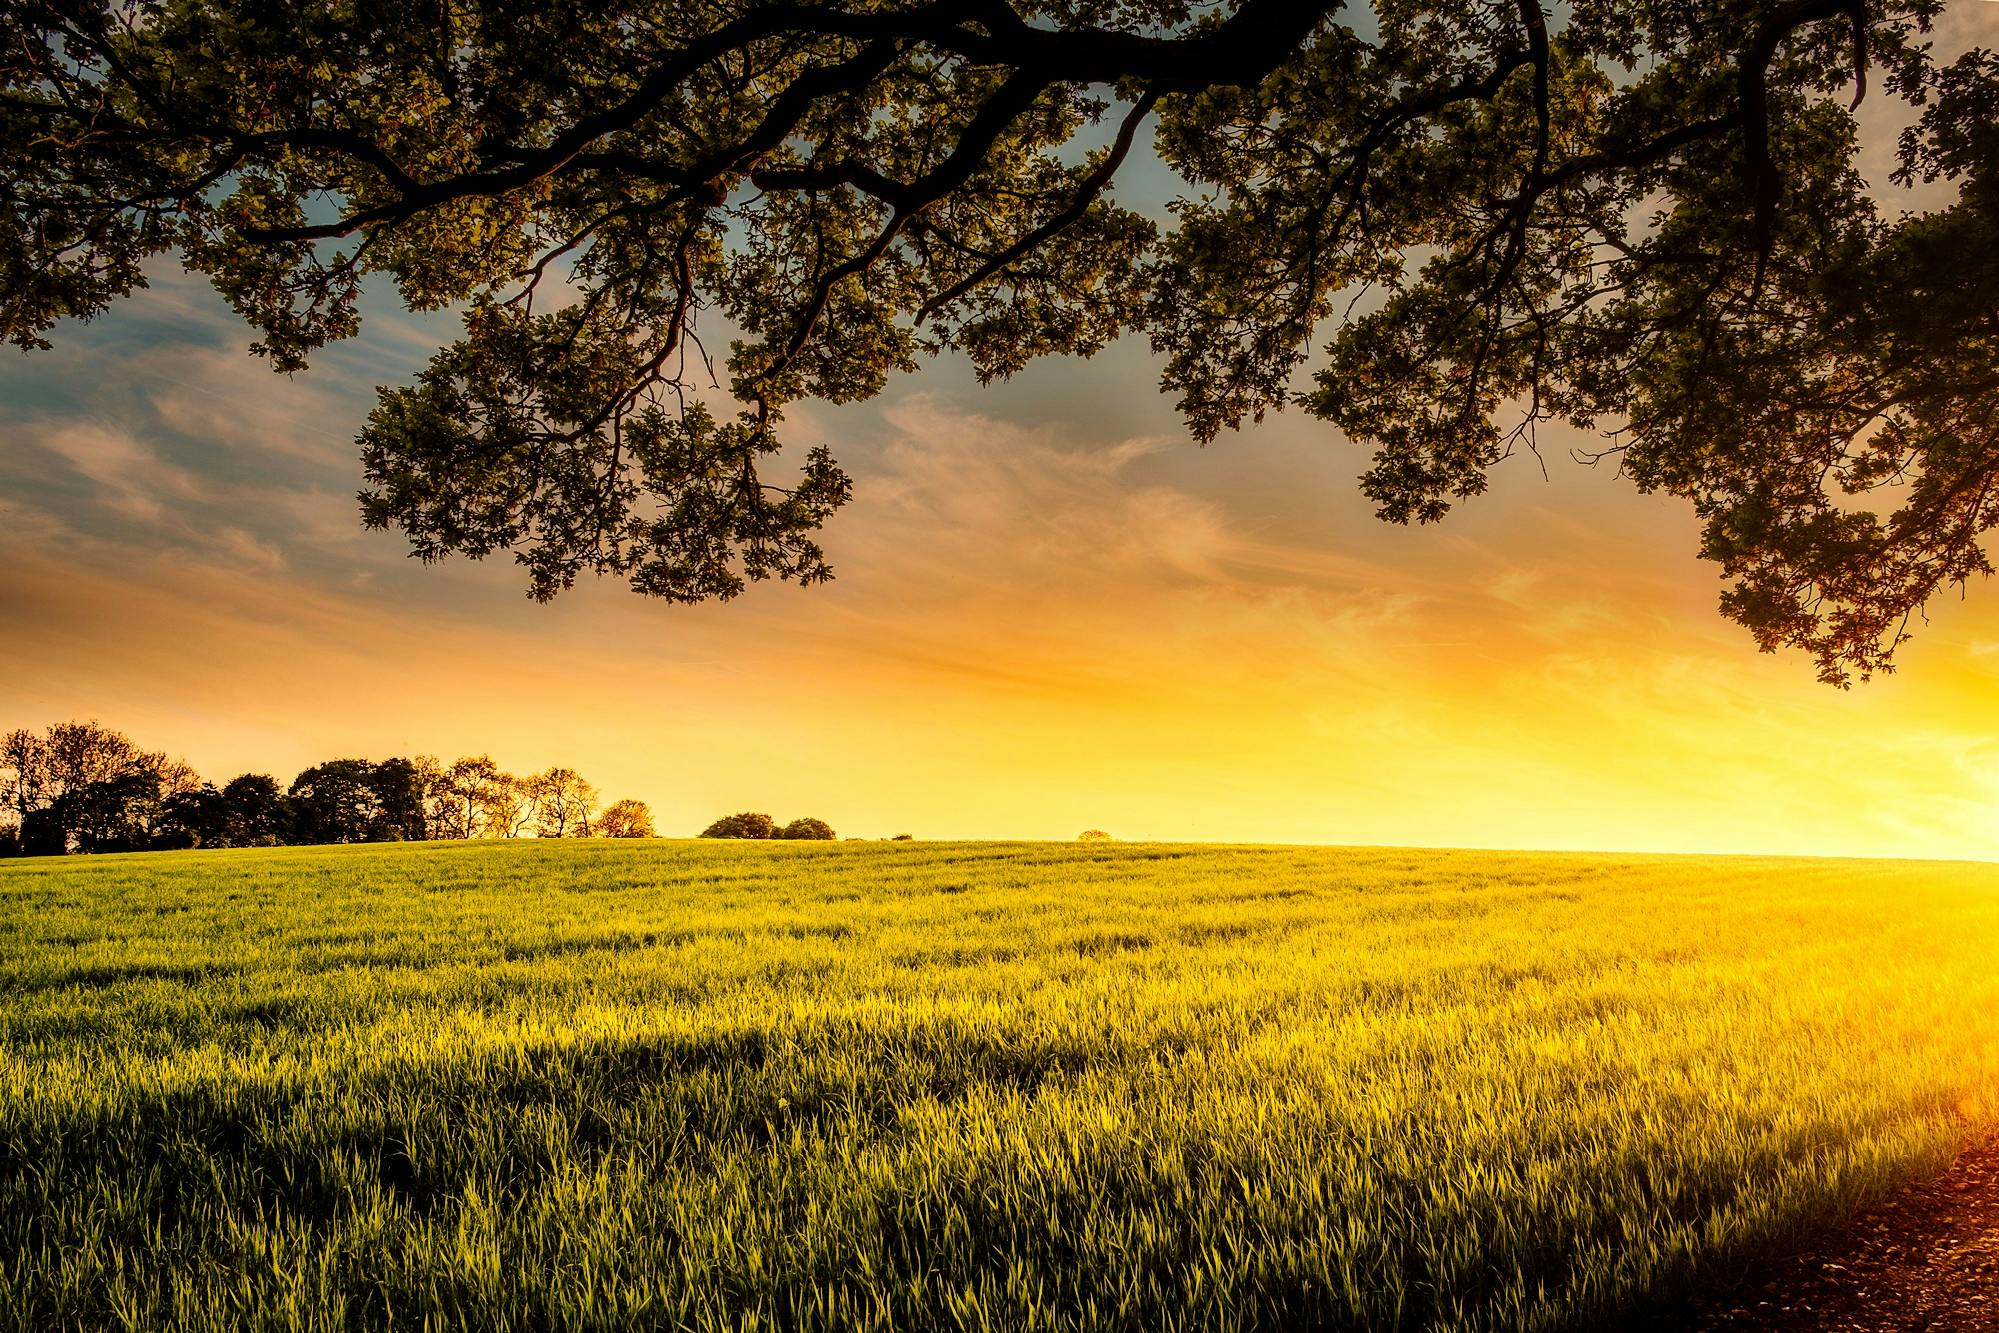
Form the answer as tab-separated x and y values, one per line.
82	787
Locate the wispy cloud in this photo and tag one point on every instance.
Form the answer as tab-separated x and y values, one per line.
128	477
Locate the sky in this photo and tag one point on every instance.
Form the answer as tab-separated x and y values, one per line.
1052	612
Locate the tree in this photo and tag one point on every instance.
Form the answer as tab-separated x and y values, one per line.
177	776
1093	835
744	825
42	833
110	815
474	792
198	818
40	769
83	786
347	800
257	811
512	805
335	802
625	819
437	795
163	791
564	803
23	774
80	753
807	830
1630	215
399	790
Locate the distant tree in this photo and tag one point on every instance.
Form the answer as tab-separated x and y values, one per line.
151	812
902	837
42	833
257	811
807	830
437	796
625	819
39	770
744	825
198	818
564	803
177	776
23	773
1093	835
80	753
335	802
399	798
116	814
513	805
473	791
83	786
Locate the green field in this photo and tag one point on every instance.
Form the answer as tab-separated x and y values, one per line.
964	1086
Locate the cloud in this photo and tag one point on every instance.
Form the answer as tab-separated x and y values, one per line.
227	399
248	550
1001	506
130	479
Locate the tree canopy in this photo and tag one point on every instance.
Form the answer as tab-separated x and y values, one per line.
1435	225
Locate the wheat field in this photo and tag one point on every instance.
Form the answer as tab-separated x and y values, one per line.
977	1086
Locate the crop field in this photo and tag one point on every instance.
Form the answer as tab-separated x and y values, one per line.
959	1086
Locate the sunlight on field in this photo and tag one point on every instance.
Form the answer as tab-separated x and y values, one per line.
998	1086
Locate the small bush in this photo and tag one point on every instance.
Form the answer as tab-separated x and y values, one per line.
902	837
807	830
745	825
1093	835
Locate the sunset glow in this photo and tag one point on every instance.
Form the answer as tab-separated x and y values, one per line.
1052	612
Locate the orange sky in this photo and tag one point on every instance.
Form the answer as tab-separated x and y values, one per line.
1053	612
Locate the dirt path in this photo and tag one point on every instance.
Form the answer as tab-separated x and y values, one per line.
1927	1260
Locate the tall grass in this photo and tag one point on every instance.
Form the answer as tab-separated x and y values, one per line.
959	1086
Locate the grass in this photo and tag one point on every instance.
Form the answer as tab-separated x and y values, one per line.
959	1086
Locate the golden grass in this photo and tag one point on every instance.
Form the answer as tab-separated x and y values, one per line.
980	1086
